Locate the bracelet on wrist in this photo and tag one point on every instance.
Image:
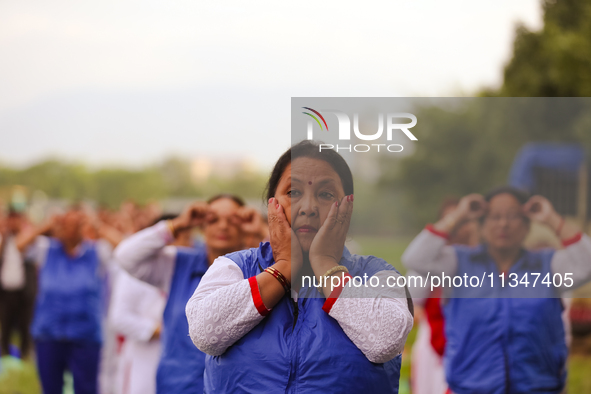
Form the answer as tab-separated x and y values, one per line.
335	269
280	278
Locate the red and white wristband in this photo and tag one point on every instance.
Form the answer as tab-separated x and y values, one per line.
335	293
434	231
572	240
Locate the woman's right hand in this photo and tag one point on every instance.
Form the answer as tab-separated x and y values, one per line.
287	254
471	207
286	247
193	216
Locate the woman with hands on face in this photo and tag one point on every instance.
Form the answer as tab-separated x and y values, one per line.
177	271
320	224
268	328
513	335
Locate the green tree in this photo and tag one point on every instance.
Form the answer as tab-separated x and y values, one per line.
555	61
111	186
471	149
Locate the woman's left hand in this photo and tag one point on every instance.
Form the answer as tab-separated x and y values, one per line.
251	221
327	247
539	209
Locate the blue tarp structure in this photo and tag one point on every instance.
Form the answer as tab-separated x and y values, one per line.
562	158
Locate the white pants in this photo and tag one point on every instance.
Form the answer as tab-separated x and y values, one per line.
427	372
137	367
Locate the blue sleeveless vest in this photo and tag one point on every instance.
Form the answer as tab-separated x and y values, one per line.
181	364
299	348
68	305
508	344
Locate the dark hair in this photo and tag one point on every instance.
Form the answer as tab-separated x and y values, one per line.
239	201
521	195
311	150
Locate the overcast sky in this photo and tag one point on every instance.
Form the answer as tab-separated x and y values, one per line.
131	82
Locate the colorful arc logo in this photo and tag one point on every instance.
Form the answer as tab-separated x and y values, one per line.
315	118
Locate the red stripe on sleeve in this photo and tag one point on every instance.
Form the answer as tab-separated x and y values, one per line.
256	296
433	230
572	240
334	294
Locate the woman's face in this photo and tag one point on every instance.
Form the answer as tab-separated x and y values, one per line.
69	228
222	226
306	191
505	226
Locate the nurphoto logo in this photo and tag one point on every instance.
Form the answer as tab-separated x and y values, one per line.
344	130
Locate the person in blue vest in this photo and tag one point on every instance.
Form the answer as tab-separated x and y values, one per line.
504	337
274	318
177	271
67	326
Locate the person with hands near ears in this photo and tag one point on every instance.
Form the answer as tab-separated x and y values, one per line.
509	330
177	271
266	326
67	323
507	230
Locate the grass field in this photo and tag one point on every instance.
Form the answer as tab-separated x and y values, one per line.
21	378
18	377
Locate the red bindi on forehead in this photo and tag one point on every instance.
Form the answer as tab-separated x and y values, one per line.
309	182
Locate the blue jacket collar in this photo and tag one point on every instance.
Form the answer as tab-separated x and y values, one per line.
524	261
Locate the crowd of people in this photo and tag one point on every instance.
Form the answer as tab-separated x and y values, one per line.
213	299
62	286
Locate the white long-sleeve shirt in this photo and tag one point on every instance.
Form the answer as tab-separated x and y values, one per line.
12	271
226	306
146	256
